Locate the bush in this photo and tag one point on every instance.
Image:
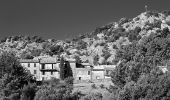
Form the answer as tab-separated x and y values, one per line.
81	45
93	96
55	49
93	86
56	89
166	13
112	89
152	13
122	21
28	92
26	55
102	86
75	96
37	39
36	52
69	80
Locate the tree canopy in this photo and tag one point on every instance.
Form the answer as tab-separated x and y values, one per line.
139	64
13	76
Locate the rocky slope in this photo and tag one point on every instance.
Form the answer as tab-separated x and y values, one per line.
97	47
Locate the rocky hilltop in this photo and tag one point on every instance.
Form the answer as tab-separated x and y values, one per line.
97	47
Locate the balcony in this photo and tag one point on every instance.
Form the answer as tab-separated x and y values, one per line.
49	70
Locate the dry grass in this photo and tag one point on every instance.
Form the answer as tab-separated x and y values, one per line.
85	87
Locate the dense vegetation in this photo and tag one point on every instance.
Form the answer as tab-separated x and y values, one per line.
138	76
16	83
137	46
13	77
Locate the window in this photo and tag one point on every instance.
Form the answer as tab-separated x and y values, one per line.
28	64
107	72
35	71
34	64
97	77
43	78
79	78
43	66
88	72
43	73
34	78
51	73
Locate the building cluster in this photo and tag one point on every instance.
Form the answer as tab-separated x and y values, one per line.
47	68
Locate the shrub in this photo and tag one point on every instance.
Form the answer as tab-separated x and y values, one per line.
152	13
26	55
36	52
101	86
56	49
69	80
28	92
93	96
76	95
93	86
81	45
3	39
55	90
96	59
133	34
123	20
106	54
166	13
37	39
112	89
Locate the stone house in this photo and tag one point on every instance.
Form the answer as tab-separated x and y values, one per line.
44	68
33	66
102	71
83	71
48	67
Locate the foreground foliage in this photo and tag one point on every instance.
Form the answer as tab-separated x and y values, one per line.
138	75
13	77
56	90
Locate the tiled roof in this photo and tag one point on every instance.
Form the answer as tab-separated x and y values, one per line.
45	60
98	69
28	61
49	60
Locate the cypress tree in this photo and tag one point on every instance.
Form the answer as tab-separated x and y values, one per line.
65	69
62	69
68	70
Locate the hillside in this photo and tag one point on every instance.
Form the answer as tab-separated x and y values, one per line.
97	47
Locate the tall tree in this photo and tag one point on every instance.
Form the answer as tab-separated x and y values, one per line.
68	70
65	69
13	76
62	68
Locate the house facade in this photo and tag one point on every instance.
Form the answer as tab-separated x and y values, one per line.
83	71
47	68
102	71
42	69
33	66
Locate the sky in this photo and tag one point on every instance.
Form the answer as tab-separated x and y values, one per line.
62	19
